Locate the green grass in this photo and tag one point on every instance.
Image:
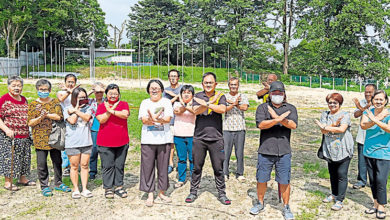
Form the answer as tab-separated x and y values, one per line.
323	173
309	167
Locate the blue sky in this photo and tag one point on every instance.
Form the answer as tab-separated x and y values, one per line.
116	12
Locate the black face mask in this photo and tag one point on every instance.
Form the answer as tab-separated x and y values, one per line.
83	102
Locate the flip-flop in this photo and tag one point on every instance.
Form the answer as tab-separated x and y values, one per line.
46	192
149	203
63	188
28	183
14	188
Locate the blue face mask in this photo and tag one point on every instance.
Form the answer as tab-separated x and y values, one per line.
43	94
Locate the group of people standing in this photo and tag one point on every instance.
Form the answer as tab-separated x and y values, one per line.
176	117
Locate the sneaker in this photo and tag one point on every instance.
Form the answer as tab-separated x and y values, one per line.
241	178
329	199
337	206
170	169
287	214
359	185
66	172
257	208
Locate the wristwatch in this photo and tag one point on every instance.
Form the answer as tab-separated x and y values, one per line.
207	104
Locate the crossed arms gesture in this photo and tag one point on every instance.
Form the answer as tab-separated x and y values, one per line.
282	119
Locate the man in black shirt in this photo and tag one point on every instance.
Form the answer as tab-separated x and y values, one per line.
208	107
275	118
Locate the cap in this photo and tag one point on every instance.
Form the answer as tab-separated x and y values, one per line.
277	85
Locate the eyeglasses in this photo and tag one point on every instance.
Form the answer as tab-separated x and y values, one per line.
333	103
112	94
154	89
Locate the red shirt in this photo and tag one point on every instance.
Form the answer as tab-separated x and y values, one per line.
14	115
114	132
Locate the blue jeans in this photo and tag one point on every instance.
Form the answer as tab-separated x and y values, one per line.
93	160
65	159
362	165
184	151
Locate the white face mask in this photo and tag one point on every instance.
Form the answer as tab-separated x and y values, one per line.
277	99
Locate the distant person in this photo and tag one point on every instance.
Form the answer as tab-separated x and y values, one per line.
184	127
234	128
208	106
113	141
172	93
78	141
275	118
64	95
155	113
264	93
376	122
41	114
361	106
337	147
14	131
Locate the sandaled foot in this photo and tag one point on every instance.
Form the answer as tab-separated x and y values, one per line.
109	194
28	183
149	202
380	214
63	188
46	192
179	184
328	199
86	193
121	192
14	188
371	210
191	198
337	206
164	198
224	200
76	195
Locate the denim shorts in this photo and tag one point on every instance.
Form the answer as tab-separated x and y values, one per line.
79	150
282	168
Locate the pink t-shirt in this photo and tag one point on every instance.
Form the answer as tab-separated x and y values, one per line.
184	125
114	132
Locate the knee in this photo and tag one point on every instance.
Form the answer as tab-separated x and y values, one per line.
84	166
74	166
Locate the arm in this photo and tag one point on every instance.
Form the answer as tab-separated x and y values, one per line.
84	116
221	109
62	96
266	124
124	114
262	92
72	119
288	123
384	126
341	129
103	117
7	131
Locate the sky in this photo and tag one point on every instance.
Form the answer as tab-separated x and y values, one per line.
116	12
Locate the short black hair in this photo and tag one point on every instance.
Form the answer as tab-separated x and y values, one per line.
70	75
42	82
187	87
370	84
111	87
377	92
75	94
174	70
209	73
155	81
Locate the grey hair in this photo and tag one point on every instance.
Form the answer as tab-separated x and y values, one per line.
98	84
43	82
11	79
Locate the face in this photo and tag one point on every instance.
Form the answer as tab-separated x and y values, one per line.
333	105
173	78
379	101
113	95
233	86
15	88
70	82
368	93
99	93
82	96
209	83
276	92
270	79
155	91
44	88
186	95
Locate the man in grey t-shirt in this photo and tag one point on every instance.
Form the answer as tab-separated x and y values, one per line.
361	106
172	92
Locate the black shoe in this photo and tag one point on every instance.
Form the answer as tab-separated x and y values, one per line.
92	177
191	198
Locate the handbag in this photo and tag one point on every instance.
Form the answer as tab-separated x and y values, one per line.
320	152
57	135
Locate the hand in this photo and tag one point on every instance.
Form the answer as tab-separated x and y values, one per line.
190	103
215	98
272	112
200	101
371	116
337	123
357	104
319	124
282	116
170	93
43	114
10	133
115	105
382	115
266	85
230	102
108	108
181	101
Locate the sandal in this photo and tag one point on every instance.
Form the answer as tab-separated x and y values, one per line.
14	188
86	193
46	192
76	195
179	184
149	202
165	199
224	200
28	183
380	214
337	206
109	194
191	198
371	210
121	192
329	199
63	188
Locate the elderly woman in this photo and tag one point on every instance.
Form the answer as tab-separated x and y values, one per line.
184	127
113	141
98	91
376	150
64	95
337	147
41	113
78	141
155	113
15	142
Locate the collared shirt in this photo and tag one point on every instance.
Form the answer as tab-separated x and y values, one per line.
361	135
235	119
276	139
208	125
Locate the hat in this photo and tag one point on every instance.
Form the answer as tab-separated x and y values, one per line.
277	85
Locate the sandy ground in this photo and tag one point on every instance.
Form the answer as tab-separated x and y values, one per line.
307	188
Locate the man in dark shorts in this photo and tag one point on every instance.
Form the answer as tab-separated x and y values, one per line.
275	118
208	107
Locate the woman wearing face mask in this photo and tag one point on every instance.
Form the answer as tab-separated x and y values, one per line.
78	141
337	147
41	113
155	113
376	149
14	134
113	141
184	127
